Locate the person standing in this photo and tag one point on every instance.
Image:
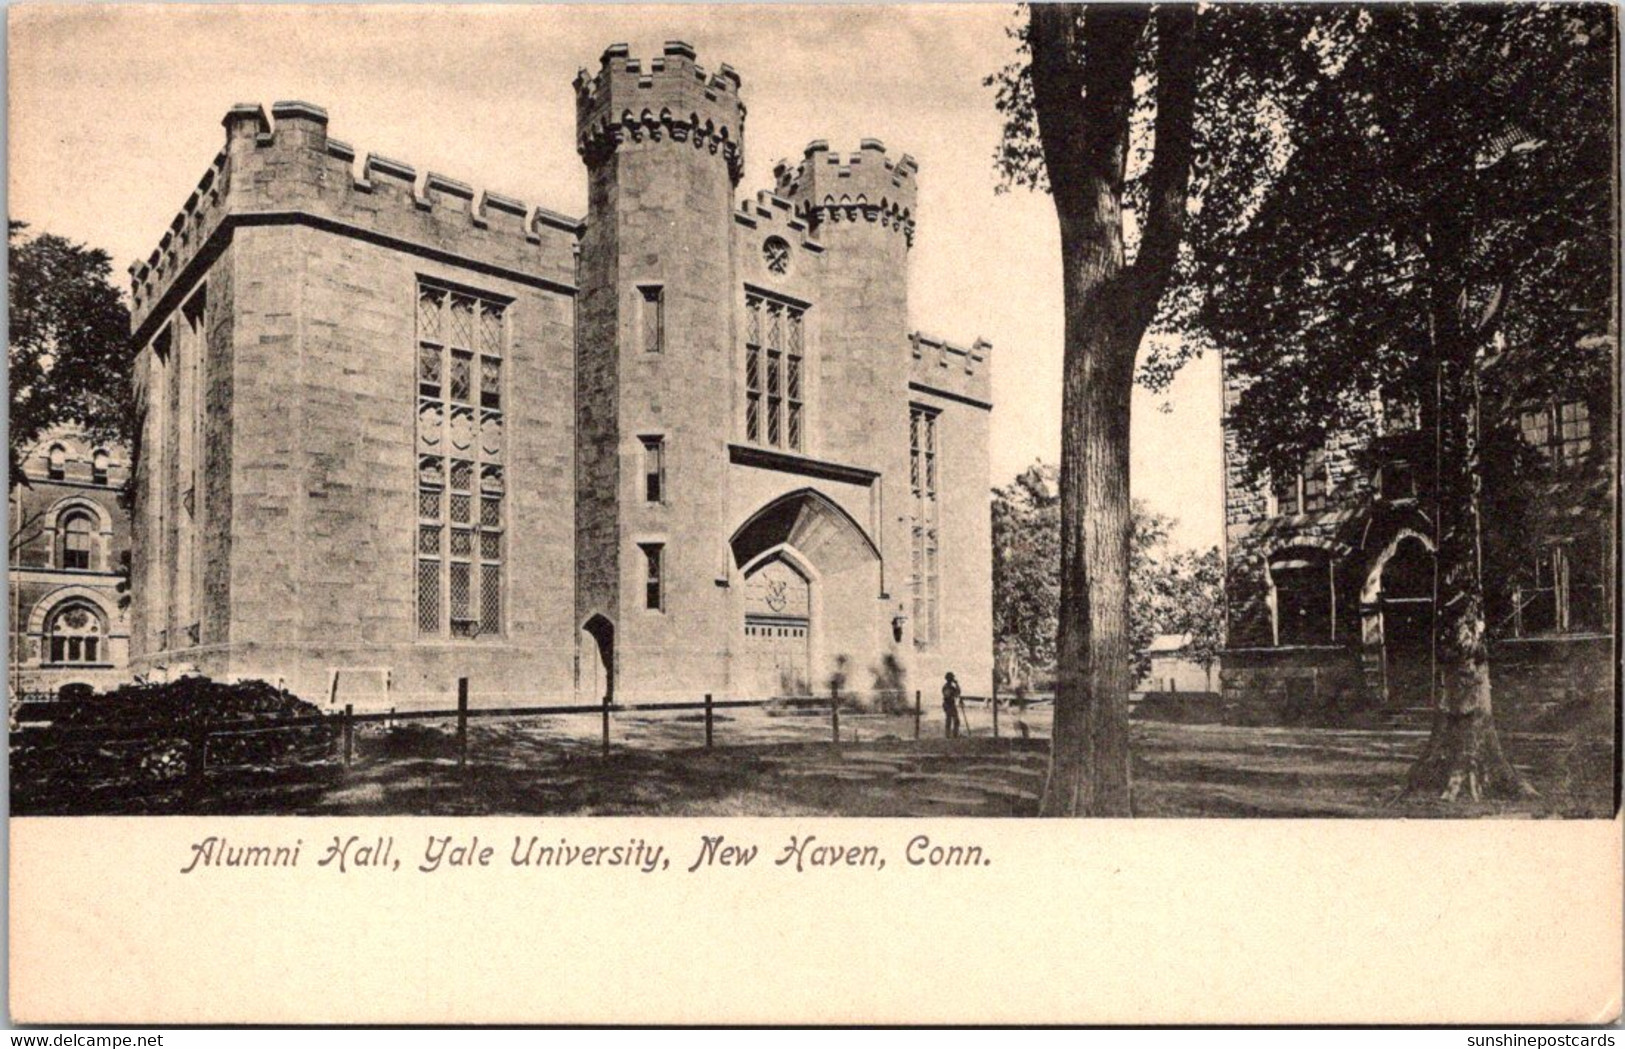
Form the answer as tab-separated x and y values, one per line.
950	706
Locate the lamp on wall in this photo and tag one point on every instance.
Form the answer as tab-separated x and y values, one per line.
897	622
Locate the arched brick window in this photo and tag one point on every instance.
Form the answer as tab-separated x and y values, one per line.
77	530
57	463
98	467
75	633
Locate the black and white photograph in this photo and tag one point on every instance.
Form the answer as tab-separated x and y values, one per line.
469	418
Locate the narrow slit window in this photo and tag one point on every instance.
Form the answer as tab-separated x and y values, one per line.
653	593
654	469
654	318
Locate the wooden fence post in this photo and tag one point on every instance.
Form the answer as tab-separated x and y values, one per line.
606	725
462	722
200	753
708	721
995	709
349	733
917	715
835	713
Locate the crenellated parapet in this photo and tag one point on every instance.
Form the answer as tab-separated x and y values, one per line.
669	99
770	214
940	366
867	186
286	169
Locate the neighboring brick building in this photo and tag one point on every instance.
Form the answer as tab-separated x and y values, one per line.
69	538
1329	576
679	447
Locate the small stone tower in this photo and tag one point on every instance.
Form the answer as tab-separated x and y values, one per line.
861	207
662	142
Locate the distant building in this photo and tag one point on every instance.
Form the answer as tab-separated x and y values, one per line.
683	445
1174	669
1330	572
69	542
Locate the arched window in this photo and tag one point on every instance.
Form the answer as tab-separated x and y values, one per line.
57	465
98	466
75	634
77	530
1302	579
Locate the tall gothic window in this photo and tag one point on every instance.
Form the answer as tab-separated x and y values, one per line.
924	577
460	339
775	373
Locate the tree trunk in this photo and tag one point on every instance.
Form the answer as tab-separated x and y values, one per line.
1463	755
1083	67
1089	767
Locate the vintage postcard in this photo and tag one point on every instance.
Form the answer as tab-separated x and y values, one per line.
543	514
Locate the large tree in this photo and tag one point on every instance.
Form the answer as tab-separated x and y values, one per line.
1430	212
1069	111
69	338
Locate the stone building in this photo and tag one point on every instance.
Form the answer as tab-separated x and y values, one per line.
69	540
407	432
1330	573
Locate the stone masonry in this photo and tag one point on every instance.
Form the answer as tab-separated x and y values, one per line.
684	445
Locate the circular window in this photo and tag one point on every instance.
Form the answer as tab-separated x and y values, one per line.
776	253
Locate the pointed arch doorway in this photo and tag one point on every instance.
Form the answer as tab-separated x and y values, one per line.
599	673
810	576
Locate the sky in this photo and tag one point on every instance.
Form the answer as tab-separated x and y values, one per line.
115	113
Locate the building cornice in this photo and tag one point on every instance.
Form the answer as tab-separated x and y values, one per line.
184	281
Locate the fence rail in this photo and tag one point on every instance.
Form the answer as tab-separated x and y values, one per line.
343	722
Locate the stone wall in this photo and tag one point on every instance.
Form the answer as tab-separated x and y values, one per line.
307	492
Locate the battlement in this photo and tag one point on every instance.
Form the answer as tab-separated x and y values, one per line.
671	99
834	187
962	371
274	172
770	213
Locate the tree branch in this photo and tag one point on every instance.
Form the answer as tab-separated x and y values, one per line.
1168	181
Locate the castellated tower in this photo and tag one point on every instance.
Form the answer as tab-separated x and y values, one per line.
861	207
662	142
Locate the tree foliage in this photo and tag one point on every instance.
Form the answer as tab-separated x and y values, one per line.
1318	247
1172	591
69	353
1427	227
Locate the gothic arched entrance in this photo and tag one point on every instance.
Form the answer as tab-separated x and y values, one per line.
809	599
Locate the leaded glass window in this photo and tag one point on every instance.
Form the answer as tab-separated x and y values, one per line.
924	562
460	342
775	373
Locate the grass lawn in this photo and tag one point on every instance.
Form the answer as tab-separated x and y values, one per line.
788	766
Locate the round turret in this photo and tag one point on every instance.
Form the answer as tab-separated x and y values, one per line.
829	187
670	99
